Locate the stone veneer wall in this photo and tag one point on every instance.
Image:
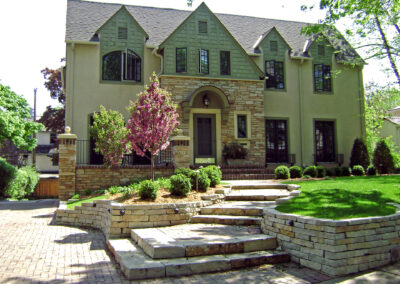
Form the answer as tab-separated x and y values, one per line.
106	215
336	247
99	177
242	95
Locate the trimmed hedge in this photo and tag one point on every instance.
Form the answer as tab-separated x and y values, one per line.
311	171
371	171
295	172
7	174
148	189
358	170
179	185
23	184
282	172
346	171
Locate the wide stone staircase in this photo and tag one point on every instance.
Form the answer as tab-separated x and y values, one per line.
223	236
247	173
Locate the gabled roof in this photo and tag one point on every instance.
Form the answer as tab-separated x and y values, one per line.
393	119
262	37
84	19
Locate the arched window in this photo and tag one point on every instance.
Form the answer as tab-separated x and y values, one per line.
122	66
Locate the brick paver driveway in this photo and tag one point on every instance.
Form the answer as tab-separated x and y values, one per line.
32	250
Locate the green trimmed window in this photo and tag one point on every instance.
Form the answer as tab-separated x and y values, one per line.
322	78
275	74
203	61
181	60
324	141
321	50
202	27
273	46
225	61
122	66
122	33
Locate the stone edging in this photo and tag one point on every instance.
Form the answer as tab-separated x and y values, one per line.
336	247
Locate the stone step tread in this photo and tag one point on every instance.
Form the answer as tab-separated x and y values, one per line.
200	239
244	204
233	211
259	185
136	265
227	220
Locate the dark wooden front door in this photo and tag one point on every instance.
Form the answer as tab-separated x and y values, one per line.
204	139
276	141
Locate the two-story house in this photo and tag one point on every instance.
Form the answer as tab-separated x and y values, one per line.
260	82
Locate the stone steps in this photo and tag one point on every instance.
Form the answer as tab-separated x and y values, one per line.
191	240
256	195
259	186
227	220
233	211
241	176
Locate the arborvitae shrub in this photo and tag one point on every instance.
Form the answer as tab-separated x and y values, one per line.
346	171
359	154
282	172
371	171
295	172
358	170
383	159
311	171
321	172
179	185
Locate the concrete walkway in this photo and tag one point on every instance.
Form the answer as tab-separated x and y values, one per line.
32	250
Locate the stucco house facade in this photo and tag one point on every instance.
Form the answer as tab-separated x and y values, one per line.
255	81
391	126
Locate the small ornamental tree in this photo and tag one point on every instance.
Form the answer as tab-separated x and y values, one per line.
110	133
153	118
383	159
359	154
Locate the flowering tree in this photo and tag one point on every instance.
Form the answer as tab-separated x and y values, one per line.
110	133
153	118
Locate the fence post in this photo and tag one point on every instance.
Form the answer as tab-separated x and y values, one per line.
67	164
181	151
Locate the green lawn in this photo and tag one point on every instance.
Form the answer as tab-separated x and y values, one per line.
71	205
345	197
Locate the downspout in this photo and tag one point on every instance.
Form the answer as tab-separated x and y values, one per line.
300	111
72	88
155	52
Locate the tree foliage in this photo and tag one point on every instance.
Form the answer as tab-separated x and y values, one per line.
110	133
15	124
383	159
375	26
359	154
153	118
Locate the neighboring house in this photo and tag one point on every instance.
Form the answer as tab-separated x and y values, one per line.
260	82
44	151
391	126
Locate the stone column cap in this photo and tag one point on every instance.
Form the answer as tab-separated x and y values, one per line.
66	136
180	138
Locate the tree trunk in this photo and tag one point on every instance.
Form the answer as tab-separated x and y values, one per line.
152	167
388	49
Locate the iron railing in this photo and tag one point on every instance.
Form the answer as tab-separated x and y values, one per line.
87	156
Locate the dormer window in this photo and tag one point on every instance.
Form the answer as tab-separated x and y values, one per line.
122	66
321	50
122	33
273	46
202	27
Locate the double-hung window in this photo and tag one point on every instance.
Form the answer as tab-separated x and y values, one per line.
324	141
225	62
322	78
181	60
122	66
203	61
275	74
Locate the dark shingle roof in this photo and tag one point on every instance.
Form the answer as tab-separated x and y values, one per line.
85	18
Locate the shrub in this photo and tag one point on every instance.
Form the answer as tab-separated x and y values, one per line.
23	184
371	170
87	191
75	196
163	182
188	173
383	159
346	171
330	172
311	171
295	172
179	185
338	171
359	154
113	190
282	172
7	173
214	174
100	191
204	181
234	151
306	177
321	172
148	189
358	170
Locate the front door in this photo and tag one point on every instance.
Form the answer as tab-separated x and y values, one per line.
204	139
276	141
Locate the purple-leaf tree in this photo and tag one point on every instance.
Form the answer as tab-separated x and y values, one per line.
153	118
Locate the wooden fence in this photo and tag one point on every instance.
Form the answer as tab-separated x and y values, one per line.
47	188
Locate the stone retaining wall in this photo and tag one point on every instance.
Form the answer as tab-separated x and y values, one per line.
117	220
336	247
99	177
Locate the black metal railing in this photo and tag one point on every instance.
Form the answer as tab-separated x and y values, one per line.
338	159
87	156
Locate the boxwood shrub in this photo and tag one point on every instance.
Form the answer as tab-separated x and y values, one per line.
179	185
346	171
295	172
338	172
330	172
189	173
311	171
282	172
358	170
371	170
214	174
148	189
204	181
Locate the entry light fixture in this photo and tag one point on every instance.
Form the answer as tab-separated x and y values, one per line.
206	100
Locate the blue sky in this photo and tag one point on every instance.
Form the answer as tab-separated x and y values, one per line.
32	35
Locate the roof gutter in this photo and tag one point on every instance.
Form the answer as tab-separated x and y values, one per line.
155	52
83	42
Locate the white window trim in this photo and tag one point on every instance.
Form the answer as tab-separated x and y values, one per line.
248	124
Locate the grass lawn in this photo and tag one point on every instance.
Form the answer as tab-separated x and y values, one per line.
71	205
345	197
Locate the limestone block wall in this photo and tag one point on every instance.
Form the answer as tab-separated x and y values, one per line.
99	177
336	247
117	220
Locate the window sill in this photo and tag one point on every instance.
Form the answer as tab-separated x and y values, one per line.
275	91
121	82
323	93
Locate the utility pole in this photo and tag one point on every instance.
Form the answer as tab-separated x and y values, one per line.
34	120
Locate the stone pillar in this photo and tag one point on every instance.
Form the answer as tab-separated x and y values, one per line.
67	164
181	151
